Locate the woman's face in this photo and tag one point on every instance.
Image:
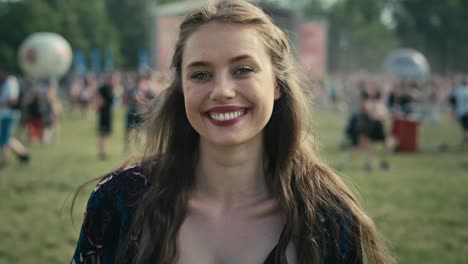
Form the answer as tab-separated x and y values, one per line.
228	83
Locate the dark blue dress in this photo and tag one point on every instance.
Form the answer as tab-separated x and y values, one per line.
113	201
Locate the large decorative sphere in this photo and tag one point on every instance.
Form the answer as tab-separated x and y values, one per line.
407	64
45	55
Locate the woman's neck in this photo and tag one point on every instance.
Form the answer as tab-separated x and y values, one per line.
231	176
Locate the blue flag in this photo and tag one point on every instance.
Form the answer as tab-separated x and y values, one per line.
143	65
96	60
79	63
109	61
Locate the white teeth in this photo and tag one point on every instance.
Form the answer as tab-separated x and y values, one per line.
226	116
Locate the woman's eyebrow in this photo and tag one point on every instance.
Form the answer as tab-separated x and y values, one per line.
240	57
198	64
205	63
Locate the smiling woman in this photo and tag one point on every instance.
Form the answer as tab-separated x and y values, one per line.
227	175
228	84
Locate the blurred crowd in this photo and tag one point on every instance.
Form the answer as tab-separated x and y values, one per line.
381	110
102	94
387	111
31	111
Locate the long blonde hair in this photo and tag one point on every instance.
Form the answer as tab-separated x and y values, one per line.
308	191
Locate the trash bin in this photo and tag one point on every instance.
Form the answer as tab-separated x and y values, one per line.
406	133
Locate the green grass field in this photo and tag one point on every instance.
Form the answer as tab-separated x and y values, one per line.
420	205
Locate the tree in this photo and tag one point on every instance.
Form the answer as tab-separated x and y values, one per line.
131	18
437	28
358	37
17	21
82	22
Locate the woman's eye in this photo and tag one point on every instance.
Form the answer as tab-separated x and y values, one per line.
201	76
243	71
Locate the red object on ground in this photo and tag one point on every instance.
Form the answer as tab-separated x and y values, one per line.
406	132
35	126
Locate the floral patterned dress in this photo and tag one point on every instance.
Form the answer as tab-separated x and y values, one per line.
108	215
113	201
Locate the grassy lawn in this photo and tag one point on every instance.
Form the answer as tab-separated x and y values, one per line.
420	205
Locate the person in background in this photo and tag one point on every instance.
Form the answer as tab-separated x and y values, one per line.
105	100
458	99
432	102
133	100
9	118
403	98
366	129
52	112
36	108
86	95
75	84
229	174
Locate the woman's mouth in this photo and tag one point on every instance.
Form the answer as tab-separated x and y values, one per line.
226	116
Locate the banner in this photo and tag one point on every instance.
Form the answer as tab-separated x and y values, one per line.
143	63
109	61
166	37
313	48
96	61
79	63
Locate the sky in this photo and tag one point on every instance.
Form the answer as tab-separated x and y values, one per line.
328	2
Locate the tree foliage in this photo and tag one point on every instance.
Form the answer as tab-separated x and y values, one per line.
437	28
119	25
83	23
358	37
131	18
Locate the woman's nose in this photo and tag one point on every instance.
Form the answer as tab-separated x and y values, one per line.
223	89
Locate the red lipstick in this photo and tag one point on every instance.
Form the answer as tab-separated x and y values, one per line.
226	115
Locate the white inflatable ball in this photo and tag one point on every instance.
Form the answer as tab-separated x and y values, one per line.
45	55
407	64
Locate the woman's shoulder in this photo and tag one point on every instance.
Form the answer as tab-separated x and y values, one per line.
108	213
339	229
124	186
